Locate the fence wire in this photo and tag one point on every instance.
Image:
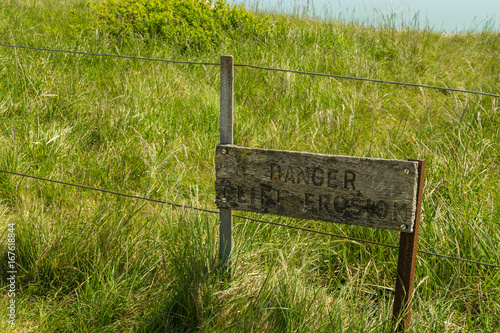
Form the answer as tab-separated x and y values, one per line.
258	67
107	191
241	216
370	80
253	67
111	55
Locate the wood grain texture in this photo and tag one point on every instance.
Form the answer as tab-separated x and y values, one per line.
407	259
226	137
367	192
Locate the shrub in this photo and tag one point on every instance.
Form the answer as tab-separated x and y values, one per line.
186	24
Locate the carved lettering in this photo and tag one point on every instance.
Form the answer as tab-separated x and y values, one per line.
317	176
339	189
332	177
340	204
401	211
289	177
382	209
323	202
349	178
308	201
303	175
270	196
265	199
275	172
356	206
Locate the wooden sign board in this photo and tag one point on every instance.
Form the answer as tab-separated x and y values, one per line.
367	192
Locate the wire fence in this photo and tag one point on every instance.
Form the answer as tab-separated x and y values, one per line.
240	216
258	67
235	215
109	55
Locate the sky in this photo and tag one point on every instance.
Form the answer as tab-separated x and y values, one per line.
439	15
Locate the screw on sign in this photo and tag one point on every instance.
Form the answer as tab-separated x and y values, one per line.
367	192
375	193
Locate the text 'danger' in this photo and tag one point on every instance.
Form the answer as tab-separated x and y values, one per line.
360	191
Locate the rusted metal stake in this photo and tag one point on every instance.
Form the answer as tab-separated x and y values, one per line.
406	263
226	137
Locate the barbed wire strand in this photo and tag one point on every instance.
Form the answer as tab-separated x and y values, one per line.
258	67
365	241
254	67
458	259
368	80
108	191
241	216
317	232
111	55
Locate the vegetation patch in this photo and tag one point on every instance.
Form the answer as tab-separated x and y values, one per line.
94	262
186	24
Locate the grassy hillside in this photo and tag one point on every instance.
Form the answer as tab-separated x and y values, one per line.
93	262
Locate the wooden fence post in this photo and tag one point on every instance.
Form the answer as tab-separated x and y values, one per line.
406	262
226	137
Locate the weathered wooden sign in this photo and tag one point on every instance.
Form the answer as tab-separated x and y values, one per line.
367	192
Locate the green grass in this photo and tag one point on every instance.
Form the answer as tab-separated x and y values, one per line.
92	262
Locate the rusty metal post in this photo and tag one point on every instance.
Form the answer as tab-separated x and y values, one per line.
406	262
226	137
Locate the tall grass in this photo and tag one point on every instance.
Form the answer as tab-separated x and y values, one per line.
91	262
